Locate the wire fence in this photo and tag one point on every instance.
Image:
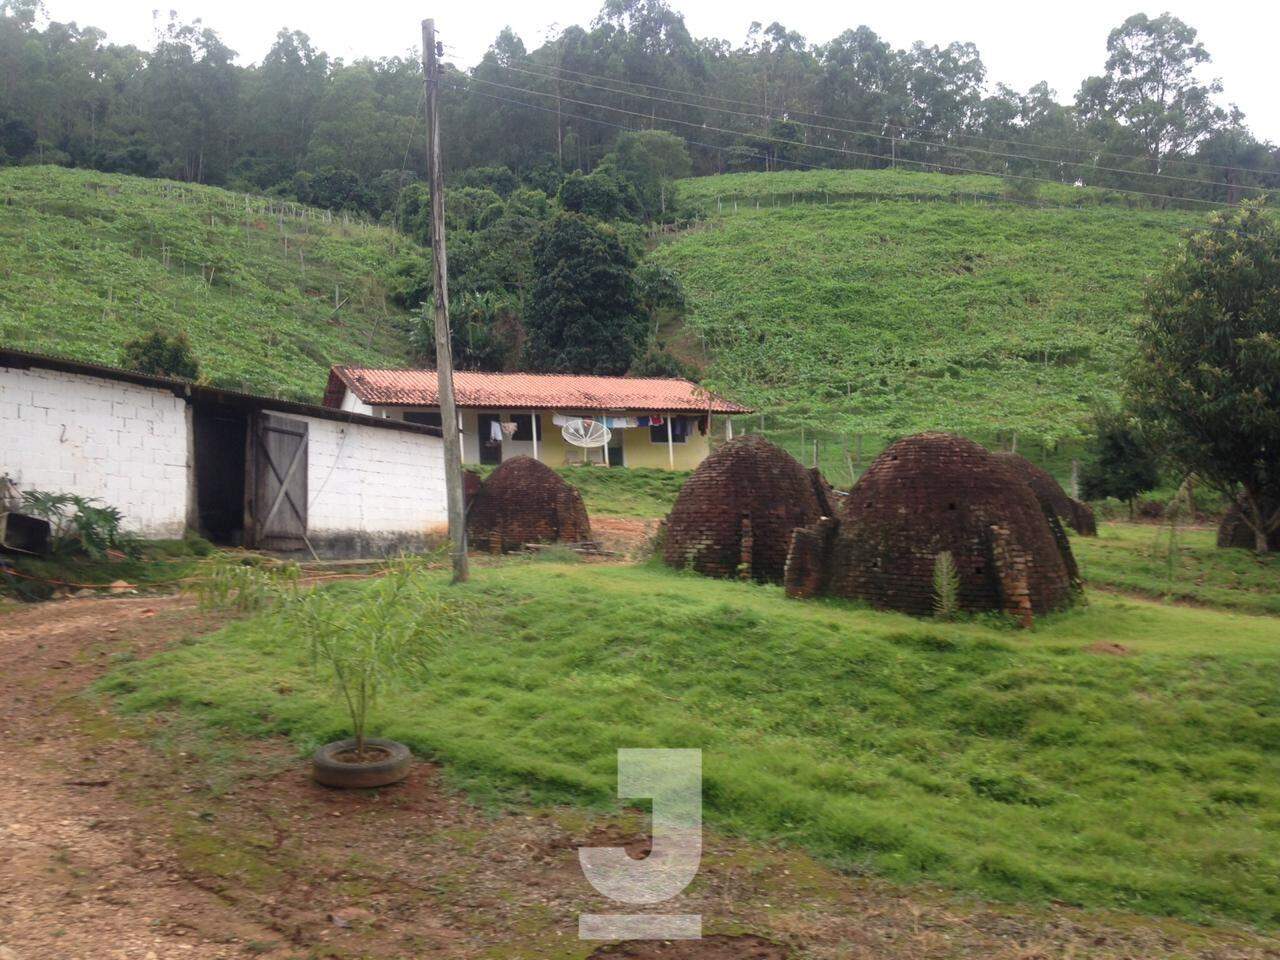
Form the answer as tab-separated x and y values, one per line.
843	457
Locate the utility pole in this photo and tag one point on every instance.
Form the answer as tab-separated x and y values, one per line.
444	349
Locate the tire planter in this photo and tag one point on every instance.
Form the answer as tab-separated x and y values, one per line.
391	766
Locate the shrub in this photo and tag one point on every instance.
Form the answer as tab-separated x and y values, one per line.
167	355
1122	465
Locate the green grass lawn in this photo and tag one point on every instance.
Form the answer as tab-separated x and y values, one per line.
1138	558
90	260
626	492
1013	765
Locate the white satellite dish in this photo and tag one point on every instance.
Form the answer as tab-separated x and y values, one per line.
586	433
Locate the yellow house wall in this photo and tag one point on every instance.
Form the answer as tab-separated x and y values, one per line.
638	451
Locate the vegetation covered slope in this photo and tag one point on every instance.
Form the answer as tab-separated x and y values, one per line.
90	260
885	302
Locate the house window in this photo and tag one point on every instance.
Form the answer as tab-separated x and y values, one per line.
424	418
524	426
659	434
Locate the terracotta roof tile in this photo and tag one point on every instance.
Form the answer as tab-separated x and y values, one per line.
544	391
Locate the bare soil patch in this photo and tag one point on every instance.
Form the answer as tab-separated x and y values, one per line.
627	536
714	947
1109	649
151	840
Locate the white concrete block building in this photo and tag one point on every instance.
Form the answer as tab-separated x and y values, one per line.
239	469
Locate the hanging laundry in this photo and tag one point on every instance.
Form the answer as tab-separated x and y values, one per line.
679	428
559	419
622	423
495	431
509	429
642	421
655	421
704	424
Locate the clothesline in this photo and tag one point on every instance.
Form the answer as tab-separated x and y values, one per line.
679	425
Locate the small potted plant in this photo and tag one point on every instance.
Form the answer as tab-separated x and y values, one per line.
365	645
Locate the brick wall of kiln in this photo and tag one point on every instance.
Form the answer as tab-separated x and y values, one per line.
525	501
736	514
924	496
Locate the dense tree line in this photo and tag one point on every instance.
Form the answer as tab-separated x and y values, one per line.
349	135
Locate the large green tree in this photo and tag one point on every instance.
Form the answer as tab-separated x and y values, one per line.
1207	378
1151	87
584	314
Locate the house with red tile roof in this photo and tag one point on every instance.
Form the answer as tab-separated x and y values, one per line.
651	422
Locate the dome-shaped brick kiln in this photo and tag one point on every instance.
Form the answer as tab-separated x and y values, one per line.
1075	514
524	501
929	494
735	516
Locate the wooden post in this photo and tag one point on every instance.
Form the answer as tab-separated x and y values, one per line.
671	446
1075	478
444	349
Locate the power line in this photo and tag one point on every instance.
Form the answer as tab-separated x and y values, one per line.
894	126
413	126
819	146
997	198
881	136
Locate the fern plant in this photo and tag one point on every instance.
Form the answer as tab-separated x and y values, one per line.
946	587
79	523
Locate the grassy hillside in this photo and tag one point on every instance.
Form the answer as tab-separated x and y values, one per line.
1033	766
885	302
88	260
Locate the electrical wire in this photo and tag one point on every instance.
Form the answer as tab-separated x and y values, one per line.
995	198
825	147
908	129
882	136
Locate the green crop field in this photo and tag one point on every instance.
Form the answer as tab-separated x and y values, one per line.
884	303
1029	766
90	260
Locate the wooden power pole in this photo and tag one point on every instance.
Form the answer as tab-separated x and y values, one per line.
444	348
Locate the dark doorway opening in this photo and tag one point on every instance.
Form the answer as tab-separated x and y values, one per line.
220	434
490	448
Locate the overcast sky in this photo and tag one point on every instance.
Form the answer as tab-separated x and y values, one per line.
1021	43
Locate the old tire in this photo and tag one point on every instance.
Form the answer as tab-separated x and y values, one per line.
327	769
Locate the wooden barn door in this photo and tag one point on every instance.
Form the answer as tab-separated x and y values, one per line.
279	483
